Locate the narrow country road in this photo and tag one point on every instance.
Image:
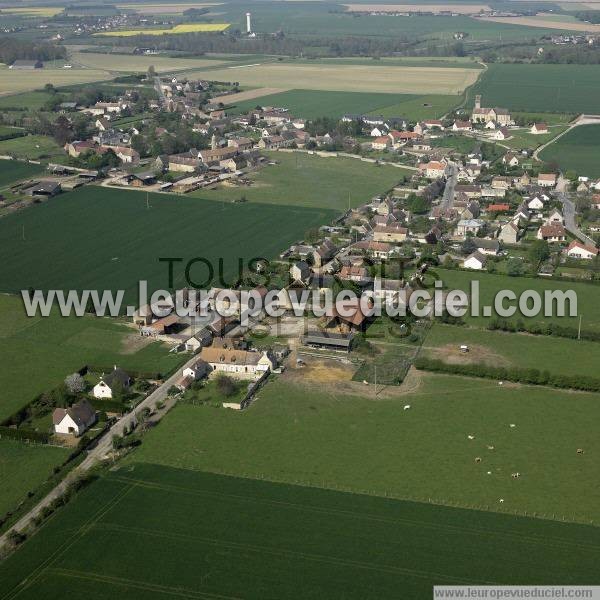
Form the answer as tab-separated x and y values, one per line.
104	445
448	197
569	212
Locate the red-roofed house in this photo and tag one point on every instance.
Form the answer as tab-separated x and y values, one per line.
539	128
578	250
381	143
553	232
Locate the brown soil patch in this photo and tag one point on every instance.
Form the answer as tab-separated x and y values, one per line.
546	23
133	342
248	95
451	354
320	371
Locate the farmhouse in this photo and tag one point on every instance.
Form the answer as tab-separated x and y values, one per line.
466	226
462	126
75	420
381	143
198	340
546	180
238	363
501	134
581	251
539	128
553	232
108	384
394	232
381	250
476	261
510	159
509	233
434	169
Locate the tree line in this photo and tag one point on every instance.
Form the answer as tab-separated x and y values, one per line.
12	49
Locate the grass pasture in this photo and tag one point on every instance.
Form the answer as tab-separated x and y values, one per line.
31	147
258	540
541	88
311	104
23	467
348	77
512	349
491	284
122	239
579	150
58	346
301	179
337	435
12	171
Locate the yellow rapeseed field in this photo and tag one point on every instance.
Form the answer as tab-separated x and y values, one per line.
185	28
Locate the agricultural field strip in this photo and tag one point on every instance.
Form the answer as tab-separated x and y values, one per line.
136	584
277	551
360	516
69	542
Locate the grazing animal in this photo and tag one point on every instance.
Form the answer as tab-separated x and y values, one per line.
406	406
580	451
471	437
478	459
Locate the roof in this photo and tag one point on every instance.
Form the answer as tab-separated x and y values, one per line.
487	244
552	230
498	207
82	413
229	356
352	306
391	228
328	339
384	139
116	375
478	256
547	176
577	244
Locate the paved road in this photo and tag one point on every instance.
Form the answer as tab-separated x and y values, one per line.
448	197
104	445
569	212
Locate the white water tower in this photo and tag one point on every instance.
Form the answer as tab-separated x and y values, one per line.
248	23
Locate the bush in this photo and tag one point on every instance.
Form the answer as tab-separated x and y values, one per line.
226	386
516	374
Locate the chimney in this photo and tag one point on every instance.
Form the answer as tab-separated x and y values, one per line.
478	101
248	23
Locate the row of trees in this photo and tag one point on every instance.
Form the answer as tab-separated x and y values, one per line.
12	49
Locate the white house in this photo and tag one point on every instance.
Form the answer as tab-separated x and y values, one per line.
476	261
556	217
198	340
539	128
535	203
108	383
546	180
238	363
578	250
75	420
196	371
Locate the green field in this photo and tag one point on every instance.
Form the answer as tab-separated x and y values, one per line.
98	238
25	101
317	18
152	532
523	139
11	171
490	285
577	150
301	179
497	348
318	435
55	347
23	467
310	104
541	88
31	146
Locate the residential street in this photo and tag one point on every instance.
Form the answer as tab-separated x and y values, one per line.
448	197
569	212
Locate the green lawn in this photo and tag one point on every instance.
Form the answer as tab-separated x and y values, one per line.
316	435
491	284
302	179
98	238
311	104
12	171
222	537
522	139
31	147
513	349
577	150
38	353
23	467
25	101
422	107
541	88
